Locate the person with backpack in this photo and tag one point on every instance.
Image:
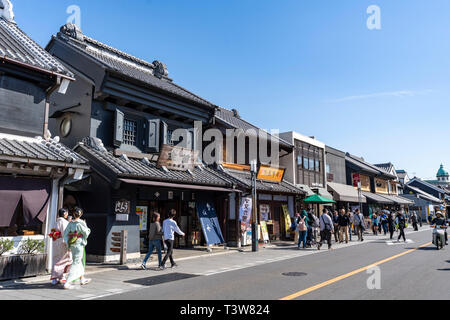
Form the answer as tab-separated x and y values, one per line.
359	224
391	225
302	230
326	228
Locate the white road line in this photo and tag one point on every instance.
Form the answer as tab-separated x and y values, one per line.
85	296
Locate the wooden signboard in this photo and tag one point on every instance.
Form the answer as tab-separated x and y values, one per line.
177	158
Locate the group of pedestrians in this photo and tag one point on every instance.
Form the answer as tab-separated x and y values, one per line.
158	234
343	224
69	254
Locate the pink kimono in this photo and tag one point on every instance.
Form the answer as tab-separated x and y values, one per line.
62	257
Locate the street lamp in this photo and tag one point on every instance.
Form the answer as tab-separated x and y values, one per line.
254	171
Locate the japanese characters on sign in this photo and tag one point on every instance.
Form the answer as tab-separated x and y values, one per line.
271	174
177	158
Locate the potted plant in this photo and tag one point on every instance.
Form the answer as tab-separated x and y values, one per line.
29	262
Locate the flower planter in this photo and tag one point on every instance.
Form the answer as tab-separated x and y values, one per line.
22	266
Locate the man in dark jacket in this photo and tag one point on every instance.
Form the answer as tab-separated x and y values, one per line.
343	222
401	223
336	225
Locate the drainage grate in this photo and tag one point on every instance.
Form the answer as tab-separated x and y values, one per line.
294	274
152	281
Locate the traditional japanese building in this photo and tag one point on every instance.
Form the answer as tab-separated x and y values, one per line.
122	114
34	168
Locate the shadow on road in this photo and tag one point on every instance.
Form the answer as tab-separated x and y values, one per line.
446	269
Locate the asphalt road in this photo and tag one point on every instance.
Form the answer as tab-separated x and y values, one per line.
411	270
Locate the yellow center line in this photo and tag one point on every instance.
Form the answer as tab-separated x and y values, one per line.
331	281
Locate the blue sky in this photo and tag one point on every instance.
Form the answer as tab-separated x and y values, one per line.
303	65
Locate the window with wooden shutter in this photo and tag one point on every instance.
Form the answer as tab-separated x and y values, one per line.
154	126
118	127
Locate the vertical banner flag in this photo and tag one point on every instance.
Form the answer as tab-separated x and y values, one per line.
264	231
210	223
287	219
245	214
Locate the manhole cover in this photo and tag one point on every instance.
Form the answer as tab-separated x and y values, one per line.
294	274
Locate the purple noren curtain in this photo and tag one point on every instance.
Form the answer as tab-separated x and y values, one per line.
35	196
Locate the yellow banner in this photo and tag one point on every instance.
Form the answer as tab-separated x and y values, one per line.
287	218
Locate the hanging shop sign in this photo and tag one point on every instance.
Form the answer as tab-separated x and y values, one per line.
245	214
356	179
142	212
177	158
381	186
122	210
271	174
287	218
210	223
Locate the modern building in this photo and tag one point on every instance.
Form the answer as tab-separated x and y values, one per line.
442	178
34	168
306	166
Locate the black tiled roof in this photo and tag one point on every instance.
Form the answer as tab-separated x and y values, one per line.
137	169
361	163
17	46
128	65
233	120
243	179
38	149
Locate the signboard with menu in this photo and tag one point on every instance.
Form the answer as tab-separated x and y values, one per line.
177	158
271	174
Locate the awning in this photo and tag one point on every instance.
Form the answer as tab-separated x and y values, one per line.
372	197
317	198
307	189
177	185
345	193
323	192
398	200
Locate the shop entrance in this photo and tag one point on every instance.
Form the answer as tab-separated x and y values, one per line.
186	218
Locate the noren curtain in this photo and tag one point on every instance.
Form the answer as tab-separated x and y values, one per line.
34	195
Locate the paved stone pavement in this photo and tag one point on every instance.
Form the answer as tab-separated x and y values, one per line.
113	280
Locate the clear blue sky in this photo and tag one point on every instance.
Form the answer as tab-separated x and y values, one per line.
303	65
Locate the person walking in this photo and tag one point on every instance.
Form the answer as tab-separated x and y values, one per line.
343	222
326	228
169	228
401	225
308	216
375	221
62	257
359	224
350	226
384	222
414	221
154	240
391	225
75	236
302	229
336	225
294	227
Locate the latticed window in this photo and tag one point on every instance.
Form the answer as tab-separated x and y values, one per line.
129	132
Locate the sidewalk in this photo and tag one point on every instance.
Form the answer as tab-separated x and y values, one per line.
275	249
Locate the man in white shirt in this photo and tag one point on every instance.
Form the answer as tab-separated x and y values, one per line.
169	228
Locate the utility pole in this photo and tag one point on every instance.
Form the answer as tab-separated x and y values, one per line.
255	235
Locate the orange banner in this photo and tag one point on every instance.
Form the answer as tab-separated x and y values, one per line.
271	174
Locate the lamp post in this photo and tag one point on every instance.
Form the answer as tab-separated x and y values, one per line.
254	171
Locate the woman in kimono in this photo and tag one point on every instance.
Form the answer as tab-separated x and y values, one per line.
75	236
62	258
